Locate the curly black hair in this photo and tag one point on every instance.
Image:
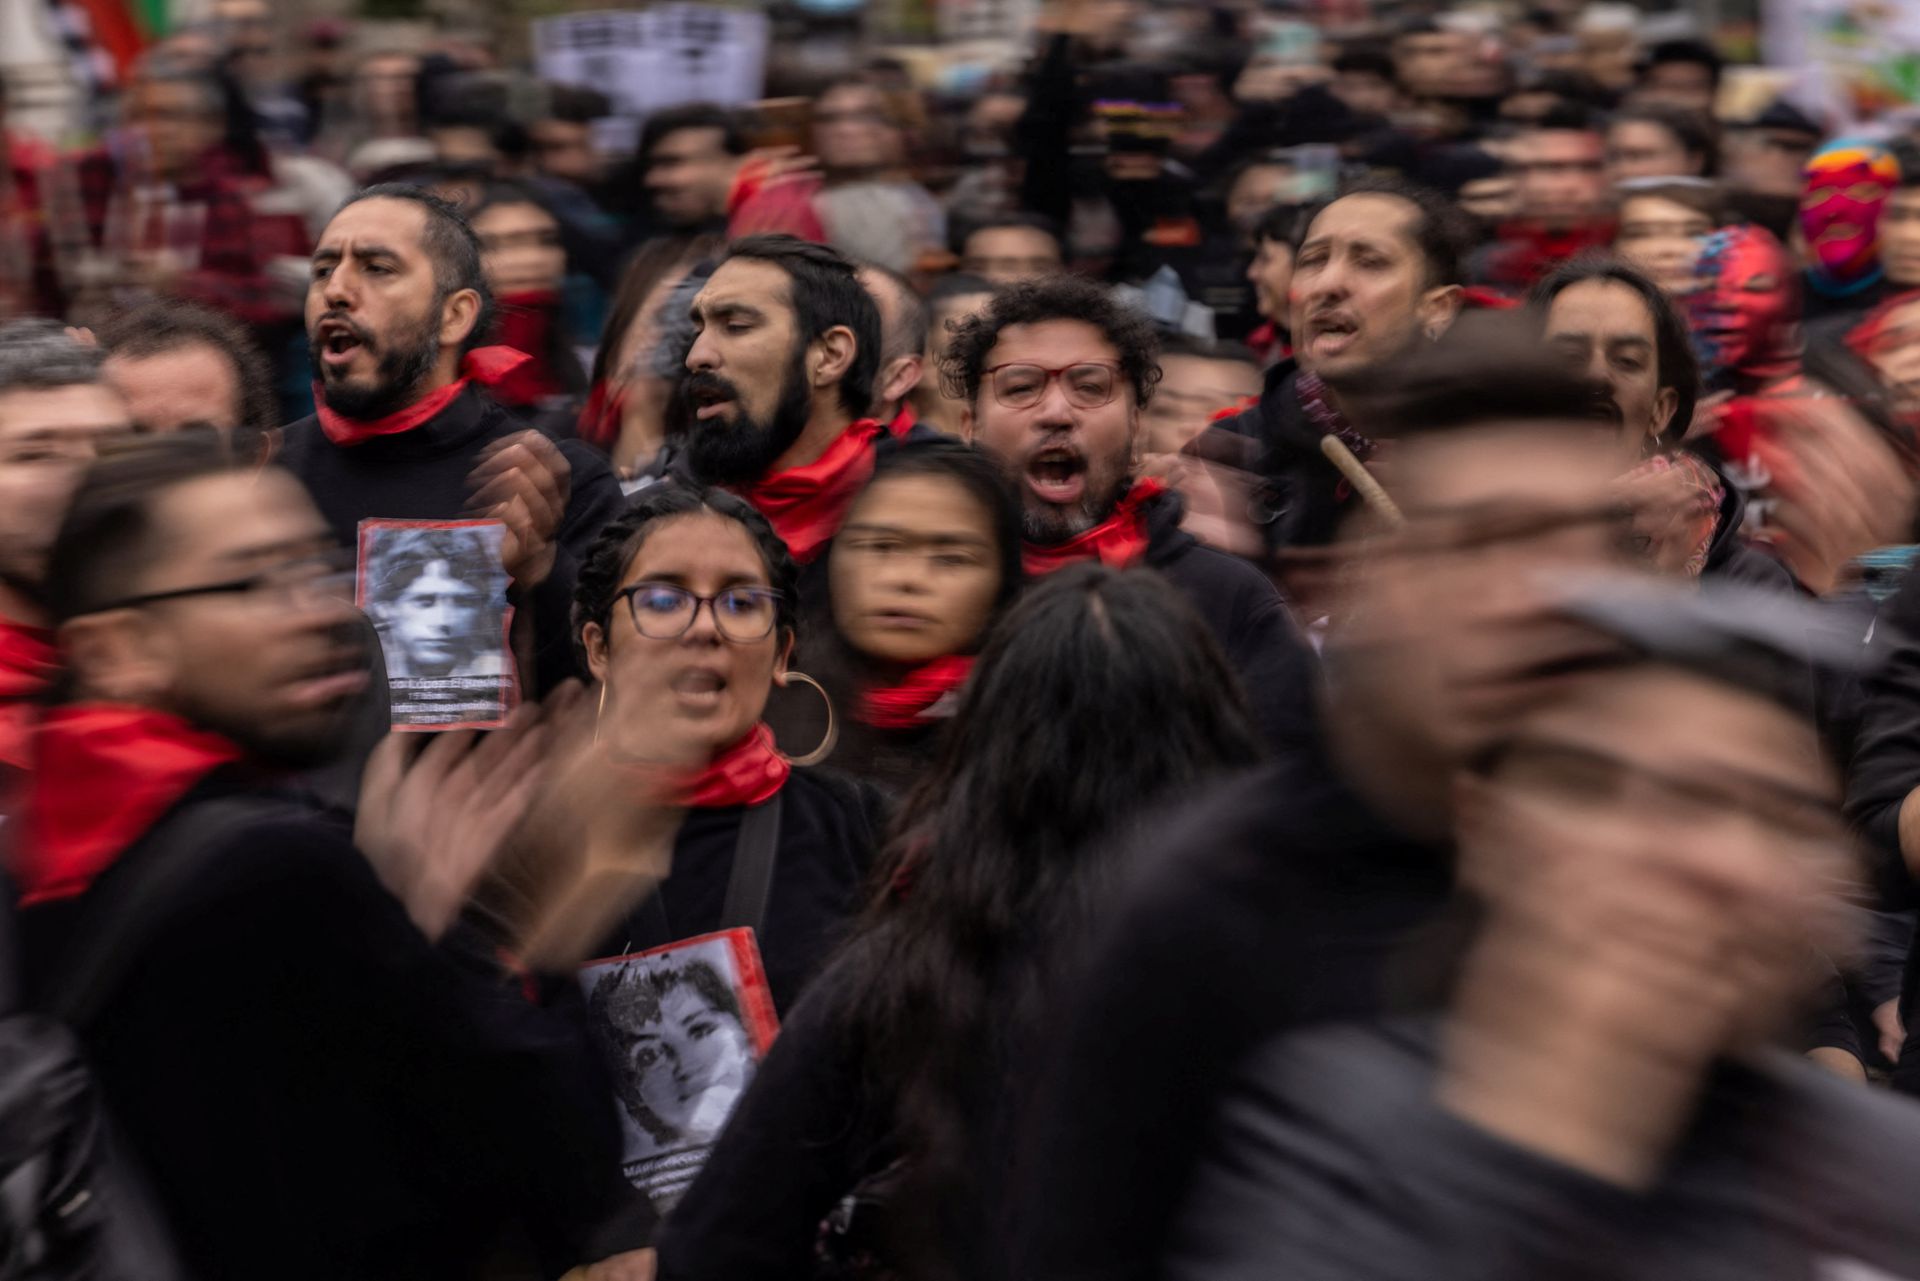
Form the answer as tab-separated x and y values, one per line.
1033	302
619	542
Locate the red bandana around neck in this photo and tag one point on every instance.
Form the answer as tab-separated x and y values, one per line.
526	325
498	369
1119	540
105	773
805	505
747	773
28	664
921	697
903	423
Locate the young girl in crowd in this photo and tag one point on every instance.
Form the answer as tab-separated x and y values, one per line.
927	559
1098	697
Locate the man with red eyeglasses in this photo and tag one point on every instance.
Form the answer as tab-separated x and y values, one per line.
1054	374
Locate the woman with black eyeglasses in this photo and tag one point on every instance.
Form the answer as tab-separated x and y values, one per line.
684	611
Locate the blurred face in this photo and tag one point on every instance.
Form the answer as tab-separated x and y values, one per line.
1070	459
387	86
1603	329
1692	817
1681	84
175	122
1192	390
1255	191
1562	177
1642	149
1360	294
689	174
47	441
690	1049
746	394
375	327
1433	63
565	150
466	146
170	390
1492	200
1271	275
1444	632
1767	161
520	249
915	571
1662	238
1008	255
851	132
276	668
699	689
1365	93
435	618
1900	237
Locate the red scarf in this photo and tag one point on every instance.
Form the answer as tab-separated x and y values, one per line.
105	774
806	504
1119	540
903	423
28	663
495	368
599	423
747	773
916	699
526	326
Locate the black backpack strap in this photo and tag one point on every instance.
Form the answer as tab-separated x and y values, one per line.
755	852
130	906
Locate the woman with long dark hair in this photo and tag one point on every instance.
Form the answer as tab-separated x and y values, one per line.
1099	697
927	559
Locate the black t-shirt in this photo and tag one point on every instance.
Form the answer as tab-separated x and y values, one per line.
829	830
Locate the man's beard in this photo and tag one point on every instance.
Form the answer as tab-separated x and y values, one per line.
737	449
407	357
1046	525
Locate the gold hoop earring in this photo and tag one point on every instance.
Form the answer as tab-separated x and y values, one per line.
826	747
599	711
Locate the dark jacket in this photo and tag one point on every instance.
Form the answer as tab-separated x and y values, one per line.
1731	558
1274	901
1332	1161
319	1092
1307	494
422	475
829	830
1245	612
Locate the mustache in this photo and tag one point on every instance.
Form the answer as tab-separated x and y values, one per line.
360	333
706	382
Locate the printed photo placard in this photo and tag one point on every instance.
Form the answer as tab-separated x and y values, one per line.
682	1029
437	594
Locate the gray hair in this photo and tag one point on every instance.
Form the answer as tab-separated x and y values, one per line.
39	355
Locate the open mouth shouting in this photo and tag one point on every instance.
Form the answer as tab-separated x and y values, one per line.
699	689
1057	474
1331	333
711	396
338	342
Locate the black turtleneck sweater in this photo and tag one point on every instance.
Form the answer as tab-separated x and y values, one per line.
422	475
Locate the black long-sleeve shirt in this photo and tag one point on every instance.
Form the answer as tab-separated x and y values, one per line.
423	475
1331	1160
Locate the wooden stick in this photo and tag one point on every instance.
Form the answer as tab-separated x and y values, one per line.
1360	478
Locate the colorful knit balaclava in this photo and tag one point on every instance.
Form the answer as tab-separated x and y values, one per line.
1847	186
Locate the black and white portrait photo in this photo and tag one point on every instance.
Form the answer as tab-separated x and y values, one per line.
680	1034
437	596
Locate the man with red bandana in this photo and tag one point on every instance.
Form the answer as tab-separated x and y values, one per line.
410	423
1054	374
55	403
780	380
1848	183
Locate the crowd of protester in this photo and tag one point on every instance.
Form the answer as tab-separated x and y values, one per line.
1264	646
